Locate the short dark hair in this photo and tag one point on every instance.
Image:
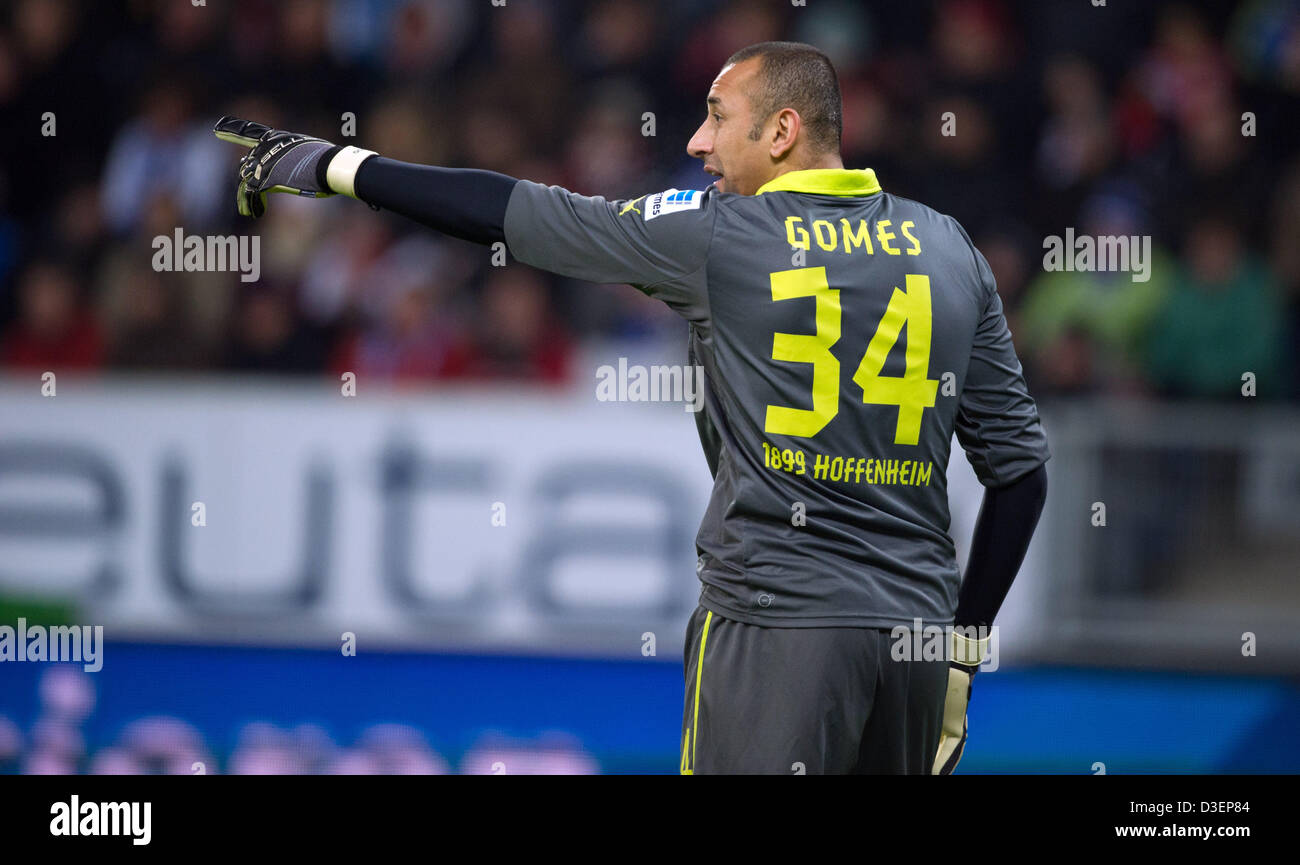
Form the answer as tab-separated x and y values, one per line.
796	75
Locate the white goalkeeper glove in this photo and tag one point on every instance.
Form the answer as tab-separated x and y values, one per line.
967	655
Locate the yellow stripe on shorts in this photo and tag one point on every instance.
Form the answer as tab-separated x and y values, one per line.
693	734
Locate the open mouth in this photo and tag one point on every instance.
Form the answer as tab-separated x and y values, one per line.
716	173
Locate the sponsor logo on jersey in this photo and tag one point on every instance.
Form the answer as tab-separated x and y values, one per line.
672	201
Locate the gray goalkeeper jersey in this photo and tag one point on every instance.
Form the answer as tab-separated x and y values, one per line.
845	334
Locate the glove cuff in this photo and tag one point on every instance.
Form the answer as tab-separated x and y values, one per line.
339	167
968	652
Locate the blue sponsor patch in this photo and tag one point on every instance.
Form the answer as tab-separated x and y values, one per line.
672	201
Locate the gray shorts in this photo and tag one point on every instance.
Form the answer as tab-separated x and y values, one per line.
805	701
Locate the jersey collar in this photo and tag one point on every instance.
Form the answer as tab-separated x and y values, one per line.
825	181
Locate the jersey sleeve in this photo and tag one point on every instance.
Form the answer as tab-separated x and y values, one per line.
997	421
658	243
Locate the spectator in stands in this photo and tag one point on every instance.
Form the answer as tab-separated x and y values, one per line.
516	336
152	329
1107	309
55	331
1221	320
1285	261
269	337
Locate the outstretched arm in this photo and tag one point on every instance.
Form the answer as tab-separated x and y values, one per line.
463	202
658	243
468	203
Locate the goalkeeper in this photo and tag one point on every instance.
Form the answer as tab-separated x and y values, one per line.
824	312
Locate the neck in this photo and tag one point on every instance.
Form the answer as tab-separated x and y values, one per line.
825	160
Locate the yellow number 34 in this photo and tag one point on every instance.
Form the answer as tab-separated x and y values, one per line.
913	393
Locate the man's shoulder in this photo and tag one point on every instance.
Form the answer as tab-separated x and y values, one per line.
920	209
957	240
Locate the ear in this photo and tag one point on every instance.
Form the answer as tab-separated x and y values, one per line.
786	131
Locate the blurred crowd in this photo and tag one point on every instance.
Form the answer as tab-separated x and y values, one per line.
56	744
1175	121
